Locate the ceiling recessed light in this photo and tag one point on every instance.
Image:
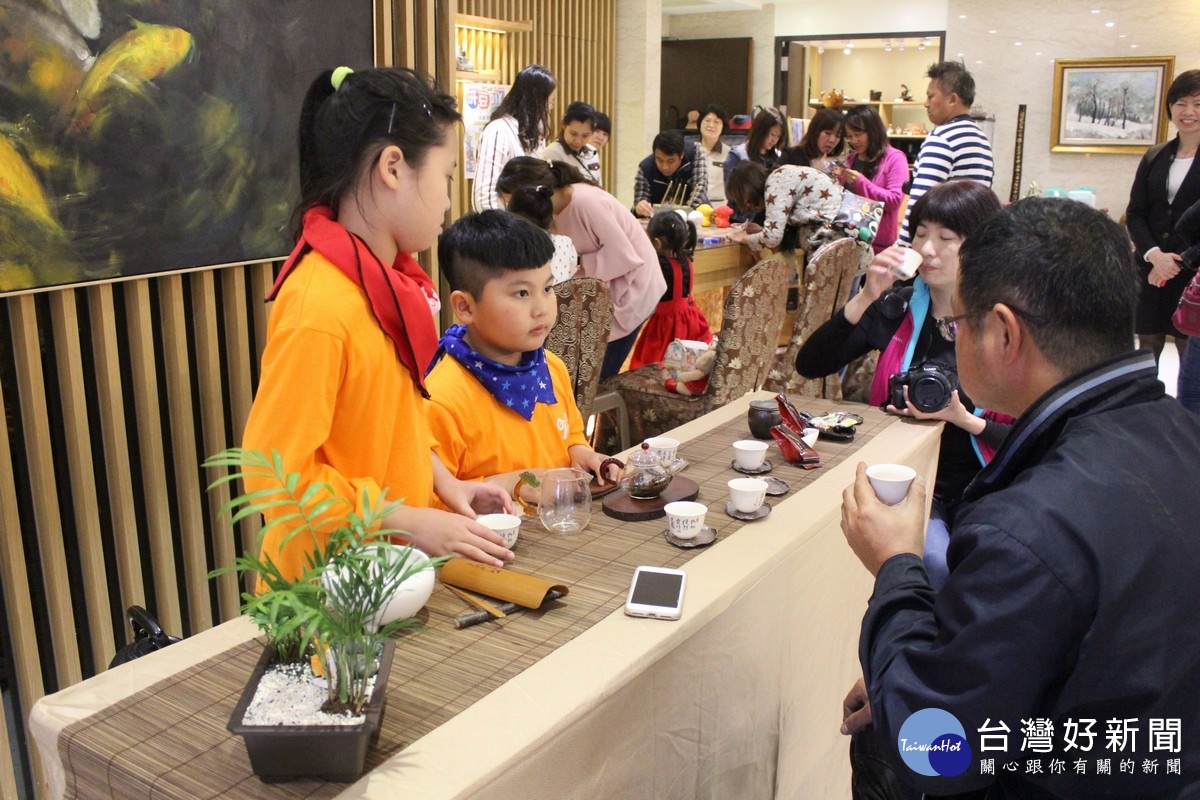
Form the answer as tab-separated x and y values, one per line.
962	16
845	51
978	62
1095	11
991	31
1038	53
1017	44
1133	45
1109	24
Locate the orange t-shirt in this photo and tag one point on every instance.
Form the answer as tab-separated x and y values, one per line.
336	402
477	437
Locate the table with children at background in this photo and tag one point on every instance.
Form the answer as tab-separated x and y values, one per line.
740	697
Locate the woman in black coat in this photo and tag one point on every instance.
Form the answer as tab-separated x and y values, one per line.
1167	184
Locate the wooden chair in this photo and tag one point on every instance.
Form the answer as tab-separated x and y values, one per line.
580	336
827	279
753	313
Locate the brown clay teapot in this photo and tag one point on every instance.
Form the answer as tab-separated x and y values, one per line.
833	98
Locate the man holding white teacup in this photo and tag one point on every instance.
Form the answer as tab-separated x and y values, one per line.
1071	602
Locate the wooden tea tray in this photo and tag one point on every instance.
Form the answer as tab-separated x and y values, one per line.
620	505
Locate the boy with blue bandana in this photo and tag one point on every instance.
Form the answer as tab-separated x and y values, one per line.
501	404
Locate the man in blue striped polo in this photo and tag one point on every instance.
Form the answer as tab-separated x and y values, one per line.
957	146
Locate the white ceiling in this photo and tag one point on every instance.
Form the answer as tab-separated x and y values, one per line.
709	6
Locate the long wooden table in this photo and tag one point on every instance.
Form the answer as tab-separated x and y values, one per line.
739	698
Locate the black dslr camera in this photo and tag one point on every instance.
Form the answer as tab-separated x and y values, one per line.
929	387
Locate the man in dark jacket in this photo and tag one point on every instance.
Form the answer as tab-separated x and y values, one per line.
1062	657
673	174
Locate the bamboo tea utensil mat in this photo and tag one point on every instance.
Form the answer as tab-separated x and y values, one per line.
169	741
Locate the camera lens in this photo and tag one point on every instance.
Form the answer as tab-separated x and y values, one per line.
929	393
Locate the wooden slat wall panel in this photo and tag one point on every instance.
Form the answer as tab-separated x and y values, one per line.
207	372
22	638
240	392
69	360
40	460
185	468
156	512
111	402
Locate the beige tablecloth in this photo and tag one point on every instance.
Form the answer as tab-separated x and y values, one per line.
739	698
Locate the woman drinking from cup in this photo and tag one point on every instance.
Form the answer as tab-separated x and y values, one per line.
913	327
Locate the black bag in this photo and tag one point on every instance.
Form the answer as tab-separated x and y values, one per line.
148	636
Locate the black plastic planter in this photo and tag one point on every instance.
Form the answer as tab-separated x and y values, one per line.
281	753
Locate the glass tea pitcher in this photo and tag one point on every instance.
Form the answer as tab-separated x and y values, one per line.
565	500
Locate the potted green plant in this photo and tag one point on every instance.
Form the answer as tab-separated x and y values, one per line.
339	613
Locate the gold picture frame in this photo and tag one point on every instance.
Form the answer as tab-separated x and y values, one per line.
1110	105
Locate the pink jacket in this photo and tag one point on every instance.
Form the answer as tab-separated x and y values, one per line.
888	186
613	247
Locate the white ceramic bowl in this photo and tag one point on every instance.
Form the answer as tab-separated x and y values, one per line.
749	453
507	525
412	594
891	481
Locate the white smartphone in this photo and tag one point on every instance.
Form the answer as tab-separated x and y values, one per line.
656	592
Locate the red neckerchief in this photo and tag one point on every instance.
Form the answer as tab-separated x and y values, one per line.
397	296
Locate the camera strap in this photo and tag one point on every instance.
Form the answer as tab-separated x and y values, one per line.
898	355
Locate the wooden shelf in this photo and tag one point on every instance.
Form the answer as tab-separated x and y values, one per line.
479	76
880	103
491	24
886	107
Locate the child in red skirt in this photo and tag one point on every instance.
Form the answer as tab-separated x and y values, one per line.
677	316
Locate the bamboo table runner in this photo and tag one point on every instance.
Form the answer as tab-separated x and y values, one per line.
170	741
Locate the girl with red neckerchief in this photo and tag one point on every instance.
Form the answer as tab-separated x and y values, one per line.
341	392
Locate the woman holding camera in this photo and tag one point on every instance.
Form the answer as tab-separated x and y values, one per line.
913	328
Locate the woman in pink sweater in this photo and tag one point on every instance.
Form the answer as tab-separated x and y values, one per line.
874	169
611	244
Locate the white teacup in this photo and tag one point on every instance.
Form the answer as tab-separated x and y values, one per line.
891	482
664	448
909	266
747	494
685	519
507	525
810	436
749	454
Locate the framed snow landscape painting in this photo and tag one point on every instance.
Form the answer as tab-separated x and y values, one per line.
1110	105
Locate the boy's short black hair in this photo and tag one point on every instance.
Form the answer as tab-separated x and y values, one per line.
480	247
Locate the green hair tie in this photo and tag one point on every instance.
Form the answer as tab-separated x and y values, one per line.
338	76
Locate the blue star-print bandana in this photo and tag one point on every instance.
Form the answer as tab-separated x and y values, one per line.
520	388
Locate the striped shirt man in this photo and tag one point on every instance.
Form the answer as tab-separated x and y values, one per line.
957	149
